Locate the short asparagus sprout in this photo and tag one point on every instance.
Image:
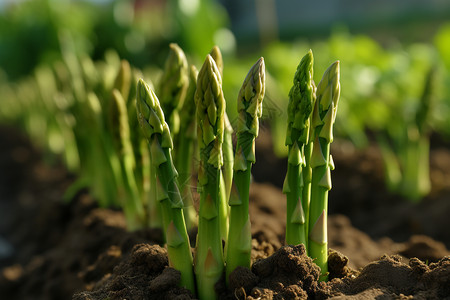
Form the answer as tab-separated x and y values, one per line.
301	103
323	118
209	262
249	106
157	132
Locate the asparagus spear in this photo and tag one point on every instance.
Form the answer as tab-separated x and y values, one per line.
173	86
426	102
416	158
185	149
228	157
157	133
301	103
119	124
209	263
123	79
249	106
227	148
323	117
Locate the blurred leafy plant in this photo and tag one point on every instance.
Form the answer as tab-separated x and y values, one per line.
29	32
406	149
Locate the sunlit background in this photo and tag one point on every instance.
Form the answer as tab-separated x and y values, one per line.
385	47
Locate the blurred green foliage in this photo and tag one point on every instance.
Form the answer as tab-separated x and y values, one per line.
381	87
31	32
381	83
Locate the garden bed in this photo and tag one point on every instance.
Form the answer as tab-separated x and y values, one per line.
383	245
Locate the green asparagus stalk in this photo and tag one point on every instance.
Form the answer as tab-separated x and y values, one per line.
185	149
226	178
406	154
323	118
301	103
157	132
228	156
153	207
426	102
101	173
123	80
391	164
416	159
249	106
209	263
134	209
173	86
307	175
145	172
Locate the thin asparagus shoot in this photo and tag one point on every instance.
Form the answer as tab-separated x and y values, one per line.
156	130
209	263
300	107
249	106
323	118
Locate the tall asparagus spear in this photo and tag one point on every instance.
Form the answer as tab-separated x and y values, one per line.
173	86
324	114
209	263
185	149
227	148
301	103
157	133
145	173
124	151
228	157
249	106
123	79
415	160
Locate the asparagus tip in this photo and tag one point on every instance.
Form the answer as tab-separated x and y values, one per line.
217	56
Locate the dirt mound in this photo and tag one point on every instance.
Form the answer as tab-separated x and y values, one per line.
384	247
287	274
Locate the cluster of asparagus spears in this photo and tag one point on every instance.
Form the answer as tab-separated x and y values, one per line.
136	146
311	115
216	178
307	182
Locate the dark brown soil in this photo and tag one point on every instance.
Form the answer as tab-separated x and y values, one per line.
383	247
